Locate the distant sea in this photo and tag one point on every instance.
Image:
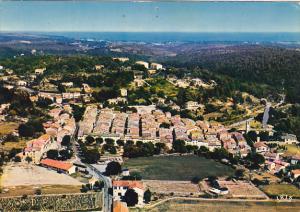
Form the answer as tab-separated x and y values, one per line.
161	37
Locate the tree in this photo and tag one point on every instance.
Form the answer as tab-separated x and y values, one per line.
52	154
147	196
26	130
98	185
239	173
43	102
65	154
38	191
91	156
131	197
181	97
179	146
113	168
164	125
89	140
99	140
17	159
120	142
66	141
28	159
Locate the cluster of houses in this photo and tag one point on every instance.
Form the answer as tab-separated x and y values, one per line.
153	125
62	124
276	161
190	82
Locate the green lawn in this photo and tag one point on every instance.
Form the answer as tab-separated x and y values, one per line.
177	167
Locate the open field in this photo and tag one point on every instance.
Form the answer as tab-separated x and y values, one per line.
242	189
175	187
8	127
31	175
46	189
224	206
7	146
292	150
177	167
282	189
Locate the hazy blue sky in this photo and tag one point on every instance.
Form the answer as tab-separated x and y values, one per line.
153	16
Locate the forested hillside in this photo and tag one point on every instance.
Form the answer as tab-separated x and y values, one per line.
277	67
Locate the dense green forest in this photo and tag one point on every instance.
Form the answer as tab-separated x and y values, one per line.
277	67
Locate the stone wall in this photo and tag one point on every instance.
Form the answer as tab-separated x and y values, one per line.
53	202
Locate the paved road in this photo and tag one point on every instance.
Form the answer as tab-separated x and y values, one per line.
107	196
240	122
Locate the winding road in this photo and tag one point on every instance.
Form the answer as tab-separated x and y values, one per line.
107	194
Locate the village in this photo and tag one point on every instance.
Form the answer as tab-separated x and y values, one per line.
104	133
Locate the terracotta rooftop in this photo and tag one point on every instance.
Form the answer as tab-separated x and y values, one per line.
128	183
56	164
120	207
259	144
296	171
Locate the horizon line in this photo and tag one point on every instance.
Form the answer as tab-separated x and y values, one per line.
36	31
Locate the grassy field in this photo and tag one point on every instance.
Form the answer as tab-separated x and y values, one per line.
7	146
163	85
282	189
177	167
292	150
8	127
223	206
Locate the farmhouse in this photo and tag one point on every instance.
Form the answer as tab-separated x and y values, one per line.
121	186
64	167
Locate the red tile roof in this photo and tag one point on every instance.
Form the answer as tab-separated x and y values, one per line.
128	183
120	206
259	144
56	164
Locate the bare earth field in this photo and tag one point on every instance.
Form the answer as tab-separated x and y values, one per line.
242	190
18	179
27	174
225	206
176	187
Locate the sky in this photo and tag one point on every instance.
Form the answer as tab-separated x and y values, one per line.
93	16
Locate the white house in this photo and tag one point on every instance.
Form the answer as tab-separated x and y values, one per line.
121	186
289	138
191	105
261	147
39	71
121	59
143	63
21	83
156	66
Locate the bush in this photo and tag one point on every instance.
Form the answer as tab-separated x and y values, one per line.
38	191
